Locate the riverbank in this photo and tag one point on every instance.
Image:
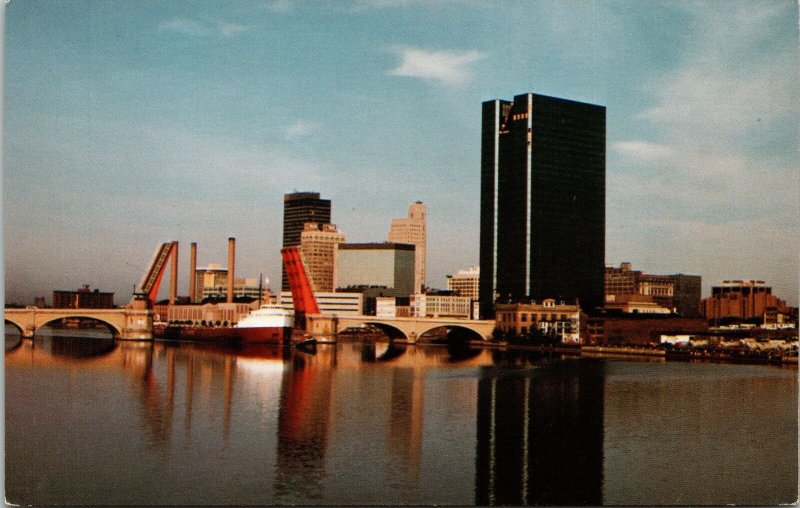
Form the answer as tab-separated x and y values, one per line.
653	353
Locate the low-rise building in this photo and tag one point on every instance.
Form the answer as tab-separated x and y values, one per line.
635	304
617	329
208	313
242	288
83	298
465	282
339	303
438	305
678	292
560	320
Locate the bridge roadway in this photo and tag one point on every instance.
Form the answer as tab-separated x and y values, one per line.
126	323
408	329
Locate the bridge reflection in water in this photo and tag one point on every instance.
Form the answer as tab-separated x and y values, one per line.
373	423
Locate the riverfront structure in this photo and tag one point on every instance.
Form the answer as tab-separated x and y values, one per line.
542	201
299	208
318	244
560	320
411	230
83	298
390	265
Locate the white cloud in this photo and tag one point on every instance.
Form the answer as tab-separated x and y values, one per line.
444	67
184	26
279	5
192	28
300	128
228	29
734	79
643	151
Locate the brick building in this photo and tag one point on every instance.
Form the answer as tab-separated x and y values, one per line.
83	298
741	299
678	292
611	330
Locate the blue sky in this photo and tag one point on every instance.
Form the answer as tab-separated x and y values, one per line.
131	123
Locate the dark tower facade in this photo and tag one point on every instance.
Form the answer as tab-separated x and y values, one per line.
299	208
542	201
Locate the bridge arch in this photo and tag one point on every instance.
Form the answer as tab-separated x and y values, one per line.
464	333
114	329
17	326
393	332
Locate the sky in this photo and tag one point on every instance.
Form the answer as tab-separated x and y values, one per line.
128	124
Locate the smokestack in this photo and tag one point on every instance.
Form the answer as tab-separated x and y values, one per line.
231	258
173	275
192	271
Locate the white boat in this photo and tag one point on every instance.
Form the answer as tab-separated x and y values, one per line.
269	323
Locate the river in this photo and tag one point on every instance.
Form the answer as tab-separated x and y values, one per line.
94	421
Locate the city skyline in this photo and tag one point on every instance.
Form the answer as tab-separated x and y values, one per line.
127	127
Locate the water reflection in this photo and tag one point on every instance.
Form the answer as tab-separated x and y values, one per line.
540	434
363	423
305	402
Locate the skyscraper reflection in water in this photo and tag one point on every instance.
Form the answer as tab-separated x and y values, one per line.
540	435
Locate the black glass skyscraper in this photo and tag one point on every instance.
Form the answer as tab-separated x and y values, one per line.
542	201
299	208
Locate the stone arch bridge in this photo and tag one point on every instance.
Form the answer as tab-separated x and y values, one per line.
406	329
125	323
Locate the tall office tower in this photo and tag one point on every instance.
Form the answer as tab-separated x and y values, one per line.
318	243
299	208
411	230
542	201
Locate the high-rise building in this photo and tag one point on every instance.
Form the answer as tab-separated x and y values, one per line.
411	230
389	265
318	243
542	201
465	282
299	208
